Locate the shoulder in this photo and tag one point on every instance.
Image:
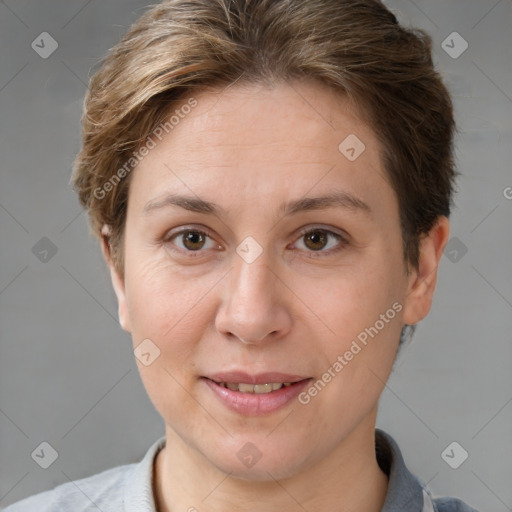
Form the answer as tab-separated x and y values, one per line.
407	491
451	504
123	488
102	491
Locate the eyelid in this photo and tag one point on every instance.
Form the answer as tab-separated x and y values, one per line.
201	229
327	229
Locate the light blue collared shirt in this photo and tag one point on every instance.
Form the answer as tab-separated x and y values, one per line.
128	488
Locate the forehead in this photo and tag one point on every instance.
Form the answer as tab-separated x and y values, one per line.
249	116
279	142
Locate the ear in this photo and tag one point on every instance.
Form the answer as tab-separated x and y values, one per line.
117	280
422	282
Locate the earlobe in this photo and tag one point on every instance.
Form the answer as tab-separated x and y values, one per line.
422	281
120	291
117	281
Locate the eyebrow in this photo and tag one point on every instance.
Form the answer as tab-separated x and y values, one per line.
338	199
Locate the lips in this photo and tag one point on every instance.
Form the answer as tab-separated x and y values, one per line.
254	395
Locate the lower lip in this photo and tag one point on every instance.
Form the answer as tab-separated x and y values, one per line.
256	404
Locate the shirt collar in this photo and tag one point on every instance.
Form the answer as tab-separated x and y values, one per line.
138	492
405	492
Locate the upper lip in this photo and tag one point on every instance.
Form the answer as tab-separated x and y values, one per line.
260	378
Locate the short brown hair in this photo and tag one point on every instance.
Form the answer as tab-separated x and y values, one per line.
357	47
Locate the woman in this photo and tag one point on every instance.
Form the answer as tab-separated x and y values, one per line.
271	182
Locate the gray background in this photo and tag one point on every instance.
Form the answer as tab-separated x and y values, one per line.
67	373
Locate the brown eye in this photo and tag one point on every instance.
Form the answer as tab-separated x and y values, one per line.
193	240
190	241
316	240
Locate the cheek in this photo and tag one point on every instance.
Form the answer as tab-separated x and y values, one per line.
362	309
352	299
162	299
165	307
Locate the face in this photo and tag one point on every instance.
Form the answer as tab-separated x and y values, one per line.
248	282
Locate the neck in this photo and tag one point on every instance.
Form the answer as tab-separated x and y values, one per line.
349	478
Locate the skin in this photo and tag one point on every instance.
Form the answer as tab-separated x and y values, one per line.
295	309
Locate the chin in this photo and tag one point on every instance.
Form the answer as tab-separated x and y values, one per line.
250	463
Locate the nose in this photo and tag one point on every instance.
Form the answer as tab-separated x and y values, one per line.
254	307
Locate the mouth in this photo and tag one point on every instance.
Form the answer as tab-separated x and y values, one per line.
253	395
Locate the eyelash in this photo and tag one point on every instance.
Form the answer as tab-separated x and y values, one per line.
343	242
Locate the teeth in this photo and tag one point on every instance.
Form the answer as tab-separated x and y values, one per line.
254	388
246	388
